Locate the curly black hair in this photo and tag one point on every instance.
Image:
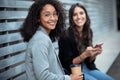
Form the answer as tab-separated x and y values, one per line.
31	24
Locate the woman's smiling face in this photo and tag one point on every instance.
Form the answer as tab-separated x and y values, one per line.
79	17
48	17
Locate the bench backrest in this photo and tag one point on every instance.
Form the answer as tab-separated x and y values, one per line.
12	56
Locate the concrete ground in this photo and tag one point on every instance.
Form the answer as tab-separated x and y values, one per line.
109	60
114	70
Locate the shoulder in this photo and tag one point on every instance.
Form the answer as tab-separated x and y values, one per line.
40	38
67	39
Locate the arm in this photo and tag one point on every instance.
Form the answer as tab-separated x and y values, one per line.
80	58
89	52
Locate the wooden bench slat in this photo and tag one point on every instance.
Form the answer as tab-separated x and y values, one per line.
12	49
8	26
13	14
12	72
21	77
10	37
66	2
12	60
15	3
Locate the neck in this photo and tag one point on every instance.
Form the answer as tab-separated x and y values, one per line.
79	30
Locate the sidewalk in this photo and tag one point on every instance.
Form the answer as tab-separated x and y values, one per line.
114	70
111	49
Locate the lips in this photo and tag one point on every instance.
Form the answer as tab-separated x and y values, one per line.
80	20
52	23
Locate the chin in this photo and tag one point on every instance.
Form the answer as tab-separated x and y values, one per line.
52	28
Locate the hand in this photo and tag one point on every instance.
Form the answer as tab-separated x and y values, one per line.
92	52
98	45
76	77
96	52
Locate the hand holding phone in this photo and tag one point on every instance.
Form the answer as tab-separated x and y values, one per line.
98	45
98	48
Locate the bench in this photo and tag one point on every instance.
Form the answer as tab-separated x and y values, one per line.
12	55
12	47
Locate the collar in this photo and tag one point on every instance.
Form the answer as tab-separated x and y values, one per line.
42	29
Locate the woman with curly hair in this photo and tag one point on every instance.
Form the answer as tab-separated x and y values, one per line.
43	25
76	47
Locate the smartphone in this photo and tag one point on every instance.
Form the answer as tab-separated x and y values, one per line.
99	45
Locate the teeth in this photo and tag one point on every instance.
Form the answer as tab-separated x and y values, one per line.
79	21
52	23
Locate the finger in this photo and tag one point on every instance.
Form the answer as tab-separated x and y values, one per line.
95	49
80	78
81	75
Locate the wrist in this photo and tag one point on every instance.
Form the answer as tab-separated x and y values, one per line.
82	57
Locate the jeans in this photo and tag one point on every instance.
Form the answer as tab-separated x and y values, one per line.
94	74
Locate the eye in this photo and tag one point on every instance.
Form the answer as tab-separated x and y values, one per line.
81	13
47	15
74	14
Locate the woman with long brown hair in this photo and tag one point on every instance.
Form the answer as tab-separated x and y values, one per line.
76	46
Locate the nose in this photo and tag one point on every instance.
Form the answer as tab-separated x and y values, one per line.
52	17
78	15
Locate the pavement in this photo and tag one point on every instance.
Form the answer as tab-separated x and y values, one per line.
114	70
109	61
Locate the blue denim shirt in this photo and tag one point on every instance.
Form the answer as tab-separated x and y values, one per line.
42	62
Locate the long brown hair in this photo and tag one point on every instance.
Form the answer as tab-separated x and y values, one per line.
86	38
